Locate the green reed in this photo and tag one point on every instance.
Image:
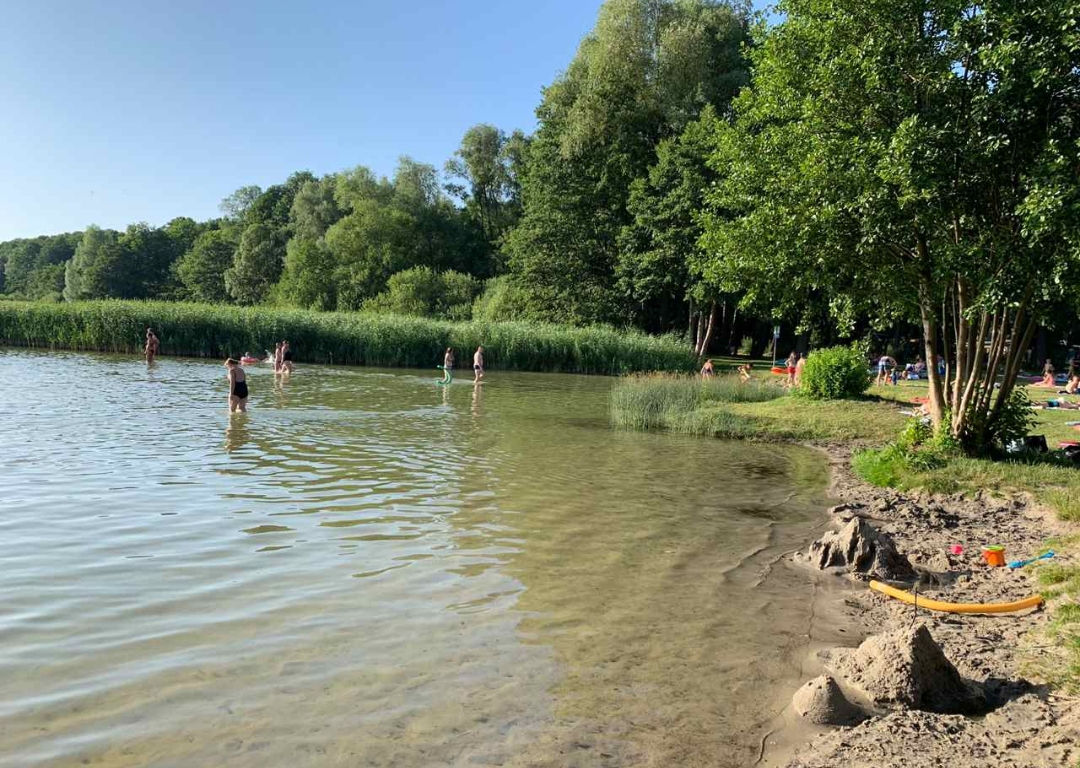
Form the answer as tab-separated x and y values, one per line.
200	330
674	402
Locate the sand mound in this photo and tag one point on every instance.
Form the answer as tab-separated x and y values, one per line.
859	547
822	702
906	669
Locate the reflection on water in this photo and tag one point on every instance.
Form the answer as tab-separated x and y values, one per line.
374	570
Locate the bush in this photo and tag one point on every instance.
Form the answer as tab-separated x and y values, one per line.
500	301
834	373
423	292
1014	422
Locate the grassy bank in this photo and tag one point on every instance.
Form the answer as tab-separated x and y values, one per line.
200	330
758	409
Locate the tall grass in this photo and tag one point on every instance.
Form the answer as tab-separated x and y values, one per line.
201	330
673	402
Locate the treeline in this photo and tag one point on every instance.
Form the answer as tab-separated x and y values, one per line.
590	219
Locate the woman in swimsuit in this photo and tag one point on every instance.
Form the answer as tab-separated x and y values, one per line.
238	391
789	364
286	358
707	370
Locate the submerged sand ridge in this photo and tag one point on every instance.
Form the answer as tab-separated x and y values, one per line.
901	673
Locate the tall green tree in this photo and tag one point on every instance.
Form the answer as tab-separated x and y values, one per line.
257	266
483	175
912	159
646	70
83	275
659	249
201	270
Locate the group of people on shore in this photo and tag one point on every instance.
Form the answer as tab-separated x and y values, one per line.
793	368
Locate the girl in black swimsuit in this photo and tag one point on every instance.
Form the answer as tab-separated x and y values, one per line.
238	390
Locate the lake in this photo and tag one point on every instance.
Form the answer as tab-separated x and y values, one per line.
369	569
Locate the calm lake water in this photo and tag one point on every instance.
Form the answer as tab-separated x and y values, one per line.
371	570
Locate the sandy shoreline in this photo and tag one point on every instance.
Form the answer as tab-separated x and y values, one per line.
1024	724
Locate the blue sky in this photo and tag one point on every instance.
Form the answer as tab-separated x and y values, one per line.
142	110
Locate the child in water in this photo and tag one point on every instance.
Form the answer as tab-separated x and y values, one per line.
238	391
448	365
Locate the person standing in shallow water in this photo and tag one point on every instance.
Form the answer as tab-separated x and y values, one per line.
478	363
448	365
286	358
152	345
238	390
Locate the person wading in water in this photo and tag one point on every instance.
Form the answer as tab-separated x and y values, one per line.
152	345
238	390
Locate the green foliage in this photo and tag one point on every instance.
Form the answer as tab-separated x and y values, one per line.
660	244
893	465
423	292
82	275
670	402
834	373
500	300
29	266
1014	421
484	172
202	330
257	266
201	270
647	69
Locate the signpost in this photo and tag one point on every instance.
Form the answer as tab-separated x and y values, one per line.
775	338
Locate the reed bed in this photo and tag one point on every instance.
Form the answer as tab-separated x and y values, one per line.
675	403
200	330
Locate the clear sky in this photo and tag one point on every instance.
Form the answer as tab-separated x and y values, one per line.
142	110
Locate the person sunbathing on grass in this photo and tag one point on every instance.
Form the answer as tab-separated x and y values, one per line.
744	371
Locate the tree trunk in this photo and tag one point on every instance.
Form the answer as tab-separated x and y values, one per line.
700	343
707	338
690	324
928	312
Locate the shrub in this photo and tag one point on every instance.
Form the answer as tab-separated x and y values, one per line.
1014	421
746	346
501	300
423	292
834	373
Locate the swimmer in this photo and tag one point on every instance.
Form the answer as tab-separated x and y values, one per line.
277	358
478	364
152	346
238	391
